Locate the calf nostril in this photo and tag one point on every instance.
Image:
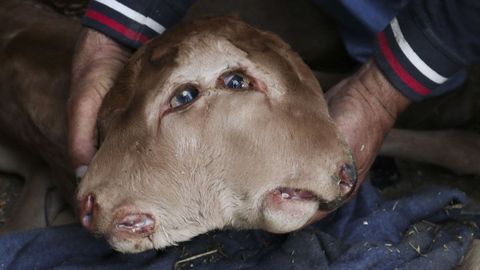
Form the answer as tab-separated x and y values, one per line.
140	224
87	211
348	178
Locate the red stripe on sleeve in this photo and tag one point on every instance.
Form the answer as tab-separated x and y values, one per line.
398	68
118	27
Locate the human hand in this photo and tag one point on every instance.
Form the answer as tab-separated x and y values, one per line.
365	107
96	62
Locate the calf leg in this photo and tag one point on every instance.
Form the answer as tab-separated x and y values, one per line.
456	150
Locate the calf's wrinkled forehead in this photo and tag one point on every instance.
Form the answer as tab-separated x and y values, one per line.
227	45
186	53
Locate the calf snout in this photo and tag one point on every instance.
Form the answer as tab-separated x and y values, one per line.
87	211
126	223
347	179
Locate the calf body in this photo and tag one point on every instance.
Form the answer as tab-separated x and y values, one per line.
214	124
36	46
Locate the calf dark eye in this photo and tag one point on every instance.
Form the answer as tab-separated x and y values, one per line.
184	96
236	81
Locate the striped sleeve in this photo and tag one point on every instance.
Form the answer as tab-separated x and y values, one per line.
428	43
134	22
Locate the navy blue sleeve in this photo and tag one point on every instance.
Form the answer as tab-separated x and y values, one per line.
427	43
134	22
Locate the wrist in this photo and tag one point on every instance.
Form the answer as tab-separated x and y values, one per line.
92	39
94	49
364	108
380	92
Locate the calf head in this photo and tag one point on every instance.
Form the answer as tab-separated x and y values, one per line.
215	124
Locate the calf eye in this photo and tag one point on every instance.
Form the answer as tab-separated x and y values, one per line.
184	96
236	81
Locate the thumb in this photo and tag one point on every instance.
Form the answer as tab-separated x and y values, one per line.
82	136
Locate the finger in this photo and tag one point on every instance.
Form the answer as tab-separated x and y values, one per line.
82	136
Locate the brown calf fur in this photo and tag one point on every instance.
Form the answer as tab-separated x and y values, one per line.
36	49
264	156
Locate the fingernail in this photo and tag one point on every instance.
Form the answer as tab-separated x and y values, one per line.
80	172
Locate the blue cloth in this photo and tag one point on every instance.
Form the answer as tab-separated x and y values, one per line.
360	20
422	231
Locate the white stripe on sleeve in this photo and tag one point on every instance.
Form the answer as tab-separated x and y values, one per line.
133	15
413	57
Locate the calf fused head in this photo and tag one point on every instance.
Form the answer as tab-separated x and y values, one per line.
214	124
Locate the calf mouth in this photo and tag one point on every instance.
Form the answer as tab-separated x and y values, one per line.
346	179
285	194
288	193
